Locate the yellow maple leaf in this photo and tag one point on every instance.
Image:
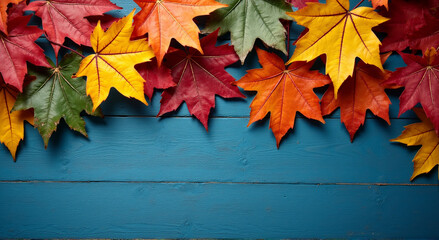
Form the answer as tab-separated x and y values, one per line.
114	61
11	123
339	33
422	133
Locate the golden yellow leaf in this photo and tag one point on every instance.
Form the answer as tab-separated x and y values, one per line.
114	61
11	123
339	33
422	133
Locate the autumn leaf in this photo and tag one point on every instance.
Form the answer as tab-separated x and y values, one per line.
421	81
155	77
167	19
114	61
66	18
19	47
412	24
248	20
106	20
54	95
339	33
363	91
300	3
378	3
199	78
11	123
283	92
422	133
3	14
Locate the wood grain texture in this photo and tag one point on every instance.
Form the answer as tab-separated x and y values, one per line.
179	149
138	176
203	210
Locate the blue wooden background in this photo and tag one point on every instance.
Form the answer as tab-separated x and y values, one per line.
141	176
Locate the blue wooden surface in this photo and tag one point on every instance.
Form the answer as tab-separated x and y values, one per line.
140	176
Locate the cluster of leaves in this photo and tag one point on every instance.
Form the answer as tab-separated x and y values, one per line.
135	55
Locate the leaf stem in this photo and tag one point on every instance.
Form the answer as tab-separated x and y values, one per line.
358	4
63	46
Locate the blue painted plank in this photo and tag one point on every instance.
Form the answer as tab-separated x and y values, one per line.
201	210
179	149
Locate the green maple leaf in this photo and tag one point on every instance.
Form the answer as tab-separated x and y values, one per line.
54	95
247	20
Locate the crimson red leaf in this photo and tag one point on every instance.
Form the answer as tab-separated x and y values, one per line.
412	24
300	3
421	81
106	20
199	78
18	47
66	18
155	77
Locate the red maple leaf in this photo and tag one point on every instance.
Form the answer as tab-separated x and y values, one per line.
283	92
413	24
155	77
199	78
106	20
364	90
66	18
420	79
300	3
19	47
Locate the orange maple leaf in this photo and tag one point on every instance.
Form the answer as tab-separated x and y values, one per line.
11	123
167	19
283	92
364	90
377	3
4	15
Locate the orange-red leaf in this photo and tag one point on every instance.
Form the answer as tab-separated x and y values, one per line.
4	15
283	92
377	3
167	19
364	90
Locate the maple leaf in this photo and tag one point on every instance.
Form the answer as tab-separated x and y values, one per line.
3	14
283	92
422	133
106	20
114	61
339	33
199	78
300	3
248	20
167	19
421	81
378	3
54	95
155	77
19	47
412	24
66	18
11	123
364	90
